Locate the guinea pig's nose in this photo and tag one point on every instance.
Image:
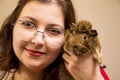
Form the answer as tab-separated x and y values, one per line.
75	47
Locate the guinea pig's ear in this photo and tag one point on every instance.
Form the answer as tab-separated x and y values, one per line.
67	34
93	33
72	26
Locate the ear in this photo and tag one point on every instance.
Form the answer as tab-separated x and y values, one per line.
93	33
98	54
67	34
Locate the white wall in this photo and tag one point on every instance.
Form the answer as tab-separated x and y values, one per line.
6	6
105	17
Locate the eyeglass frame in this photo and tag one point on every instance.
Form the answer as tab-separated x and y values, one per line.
43	32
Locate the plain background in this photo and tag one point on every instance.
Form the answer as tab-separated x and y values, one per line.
104	16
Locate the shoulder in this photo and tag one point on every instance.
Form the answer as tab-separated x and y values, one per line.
6	75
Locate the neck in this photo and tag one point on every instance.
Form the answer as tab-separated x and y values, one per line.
24	73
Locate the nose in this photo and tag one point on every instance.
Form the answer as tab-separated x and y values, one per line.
42	33
75	47
38	38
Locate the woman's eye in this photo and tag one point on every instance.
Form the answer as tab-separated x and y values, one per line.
54	31
27	24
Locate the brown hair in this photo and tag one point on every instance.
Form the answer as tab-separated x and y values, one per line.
8	60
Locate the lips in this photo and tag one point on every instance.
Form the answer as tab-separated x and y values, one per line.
35	53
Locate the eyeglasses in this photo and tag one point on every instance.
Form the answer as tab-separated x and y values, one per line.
50	31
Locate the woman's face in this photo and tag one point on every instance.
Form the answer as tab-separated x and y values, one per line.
38	35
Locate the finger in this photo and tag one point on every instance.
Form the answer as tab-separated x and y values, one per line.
70	53
66	57
70	59
66	64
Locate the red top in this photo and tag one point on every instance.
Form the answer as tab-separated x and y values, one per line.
105	76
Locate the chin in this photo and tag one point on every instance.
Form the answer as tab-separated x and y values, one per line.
36	69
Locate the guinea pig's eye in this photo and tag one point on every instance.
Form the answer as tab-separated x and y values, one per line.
71	31
85	37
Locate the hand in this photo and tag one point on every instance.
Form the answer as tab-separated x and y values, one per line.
82	67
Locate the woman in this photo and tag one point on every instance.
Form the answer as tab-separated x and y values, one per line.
31	40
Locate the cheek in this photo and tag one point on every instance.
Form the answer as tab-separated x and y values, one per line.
55	44
20	38
54	47
21	35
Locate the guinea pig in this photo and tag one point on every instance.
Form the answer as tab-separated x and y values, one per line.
80	39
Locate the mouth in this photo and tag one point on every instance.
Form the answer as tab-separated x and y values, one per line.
34	53
80	50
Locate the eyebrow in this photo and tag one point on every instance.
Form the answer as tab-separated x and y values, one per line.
54	24
29	18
